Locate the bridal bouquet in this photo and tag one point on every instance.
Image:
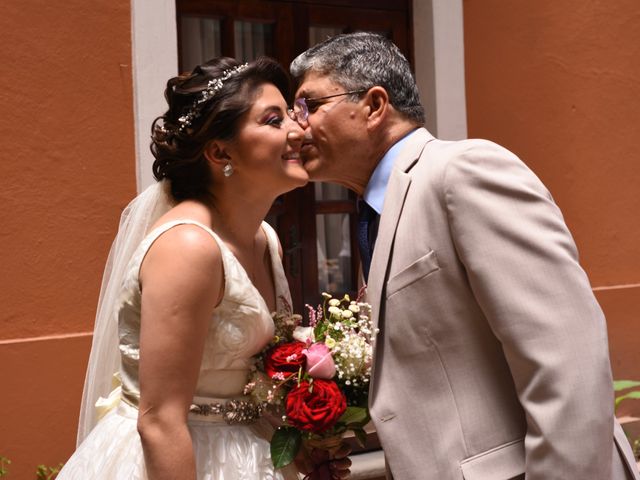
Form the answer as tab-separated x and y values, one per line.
316	377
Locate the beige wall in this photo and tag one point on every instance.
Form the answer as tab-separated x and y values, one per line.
67	168
558	83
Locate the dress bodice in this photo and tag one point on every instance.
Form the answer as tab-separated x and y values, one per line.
241	325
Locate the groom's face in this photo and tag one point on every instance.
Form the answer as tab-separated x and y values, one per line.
333	129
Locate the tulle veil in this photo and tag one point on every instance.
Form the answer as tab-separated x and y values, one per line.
104	360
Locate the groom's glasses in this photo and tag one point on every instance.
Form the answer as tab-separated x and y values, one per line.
302	107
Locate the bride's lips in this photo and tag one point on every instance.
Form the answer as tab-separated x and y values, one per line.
293	157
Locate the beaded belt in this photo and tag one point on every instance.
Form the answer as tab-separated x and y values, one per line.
232	411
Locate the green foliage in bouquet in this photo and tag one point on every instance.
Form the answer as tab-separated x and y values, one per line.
286	441
285	445
345	327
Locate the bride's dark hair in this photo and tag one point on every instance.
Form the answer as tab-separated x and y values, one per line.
178	144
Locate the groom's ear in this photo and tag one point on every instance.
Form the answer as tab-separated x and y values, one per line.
377	106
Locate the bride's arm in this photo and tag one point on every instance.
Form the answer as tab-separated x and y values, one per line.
180	277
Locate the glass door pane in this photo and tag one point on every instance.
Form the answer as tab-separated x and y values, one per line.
200	40
318	33
330	191
333	230
252	40
334	253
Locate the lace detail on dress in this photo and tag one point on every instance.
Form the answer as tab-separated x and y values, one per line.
241	325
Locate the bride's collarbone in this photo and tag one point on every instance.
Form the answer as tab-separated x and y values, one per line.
256	263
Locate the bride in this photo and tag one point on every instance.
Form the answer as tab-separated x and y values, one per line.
189	286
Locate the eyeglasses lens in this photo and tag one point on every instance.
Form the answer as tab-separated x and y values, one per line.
300	110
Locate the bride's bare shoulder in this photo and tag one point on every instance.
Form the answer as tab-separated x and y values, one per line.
185	210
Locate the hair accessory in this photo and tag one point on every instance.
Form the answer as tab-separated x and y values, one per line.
228	170
212	87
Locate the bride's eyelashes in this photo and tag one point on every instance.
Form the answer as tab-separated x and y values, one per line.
274	117
275	120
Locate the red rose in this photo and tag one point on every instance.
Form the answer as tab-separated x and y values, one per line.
317	410
286	358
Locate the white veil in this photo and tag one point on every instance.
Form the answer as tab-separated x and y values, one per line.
104	360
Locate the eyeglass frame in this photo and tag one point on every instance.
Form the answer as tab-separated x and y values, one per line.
302	115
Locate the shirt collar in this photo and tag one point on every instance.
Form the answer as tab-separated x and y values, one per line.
377	186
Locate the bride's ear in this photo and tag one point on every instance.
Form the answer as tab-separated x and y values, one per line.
215	152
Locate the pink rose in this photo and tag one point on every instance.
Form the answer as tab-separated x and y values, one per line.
319	361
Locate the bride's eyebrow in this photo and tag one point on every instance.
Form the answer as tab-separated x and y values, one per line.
263	116
270	109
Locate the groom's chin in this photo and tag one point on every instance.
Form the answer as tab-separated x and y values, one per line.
315	174
313	166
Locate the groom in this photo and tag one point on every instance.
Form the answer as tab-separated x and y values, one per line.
492	360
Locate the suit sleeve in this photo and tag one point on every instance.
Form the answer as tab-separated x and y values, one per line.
522	266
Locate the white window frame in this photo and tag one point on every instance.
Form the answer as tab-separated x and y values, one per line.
154	44
438	33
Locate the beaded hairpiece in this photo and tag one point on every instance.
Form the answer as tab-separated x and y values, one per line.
207	94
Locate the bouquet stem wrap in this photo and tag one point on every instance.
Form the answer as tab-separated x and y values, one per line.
329	444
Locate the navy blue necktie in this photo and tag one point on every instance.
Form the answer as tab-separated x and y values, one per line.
368	220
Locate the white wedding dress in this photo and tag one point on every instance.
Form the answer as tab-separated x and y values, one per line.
241	326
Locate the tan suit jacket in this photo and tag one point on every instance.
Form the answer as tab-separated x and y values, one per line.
492	357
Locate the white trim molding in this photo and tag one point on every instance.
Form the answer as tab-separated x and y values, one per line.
438	32
154	45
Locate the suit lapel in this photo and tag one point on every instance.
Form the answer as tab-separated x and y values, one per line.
397	188
396	193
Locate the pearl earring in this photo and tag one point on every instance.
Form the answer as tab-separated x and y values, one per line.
228	170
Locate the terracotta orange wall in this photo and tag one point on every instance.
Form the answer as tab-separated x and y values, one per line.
558	83
67	168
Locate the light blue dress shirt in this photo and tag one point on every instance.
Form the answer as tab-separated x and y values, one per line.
377	186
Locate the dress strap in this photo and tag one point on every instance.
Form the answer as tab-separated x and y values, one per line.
272	239
145	245
283	295
156	232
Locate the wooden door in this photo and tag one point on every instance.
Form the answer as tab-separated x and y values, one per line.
316	224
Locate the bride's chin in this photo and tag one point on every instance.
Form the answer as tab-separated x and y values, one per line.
295	169
293	184
299	177
312	165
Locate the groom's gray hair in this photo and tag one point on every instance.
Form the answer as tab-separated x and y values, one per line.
361	60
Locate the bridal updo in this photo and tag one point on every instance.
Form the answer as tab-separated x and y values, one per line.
204	105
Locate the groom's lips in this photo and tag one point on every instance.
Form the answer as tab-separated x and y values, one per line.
305	149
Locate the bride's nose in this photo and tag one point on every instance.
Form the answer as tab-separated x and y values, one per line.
295	136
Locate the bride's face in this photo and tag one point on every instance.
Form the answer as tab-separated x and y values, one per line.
266	148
